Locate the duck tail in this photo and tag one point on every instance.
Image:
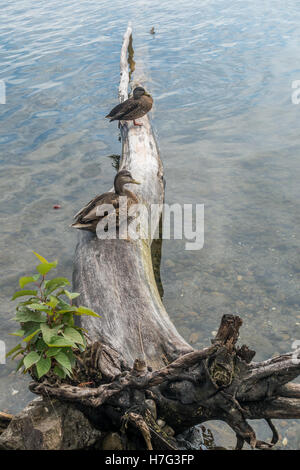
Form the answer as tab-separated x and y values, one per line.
110	116
81	226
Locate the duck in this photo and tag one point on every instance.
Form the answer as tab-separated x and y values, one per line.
133	108
87	218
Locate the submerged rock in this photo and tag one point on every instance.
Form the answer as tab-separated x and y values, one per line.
194	338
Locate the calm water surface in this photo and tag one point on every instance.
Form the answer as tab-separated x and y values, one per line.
221	75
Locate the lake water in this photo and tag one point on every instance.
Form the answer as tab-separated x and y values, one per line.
221	75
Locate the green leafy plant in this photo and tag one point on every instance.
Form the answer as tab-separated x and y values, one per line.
50	338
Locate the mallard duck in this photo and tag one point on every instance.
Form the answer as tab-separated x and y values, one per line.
87	218
133	108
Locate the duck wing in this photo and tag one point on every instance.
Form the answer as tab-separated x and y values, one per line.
121	110
88	212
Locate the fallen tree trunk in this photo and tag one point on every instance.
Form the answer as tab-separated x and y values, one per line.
147	384
115	277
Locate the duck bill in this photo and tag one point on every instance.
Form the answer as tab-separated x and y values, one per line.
134	182
146	94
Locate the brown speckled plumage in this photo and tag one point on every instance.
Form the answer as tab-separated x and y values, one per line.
87	218
133	108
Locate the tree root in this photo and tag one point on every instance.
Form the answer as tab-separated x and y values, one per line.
138	421
5	419
218	382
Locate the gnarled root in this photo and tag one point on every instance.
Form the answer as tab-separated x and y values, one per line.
219	382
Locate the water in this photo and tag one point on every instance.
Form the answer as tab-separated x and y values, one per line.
221	75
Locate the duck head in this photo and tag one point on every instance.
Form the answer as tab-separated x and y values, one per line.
123	177
138	92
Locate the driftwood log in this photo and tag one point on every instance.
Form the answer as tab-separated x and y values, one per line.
144	383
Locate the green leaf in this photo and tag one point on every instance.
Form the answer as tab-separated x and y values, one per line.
18	333
81	348
71	357
53	301
59	341
43	366
67	319
42	307
27	279
24	316
67	372
20	364
67	310
31	335
82	329
63	360
31	358
40	258
30	326
52	352
21	305
44	268
86	311
49	333
73	334
58	371
16	348
20	293
71	295
63	304
55	283
41	345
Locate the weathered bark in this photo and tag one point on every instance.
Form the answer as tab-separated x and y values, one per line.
215	383
5	419
115	277
137	365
